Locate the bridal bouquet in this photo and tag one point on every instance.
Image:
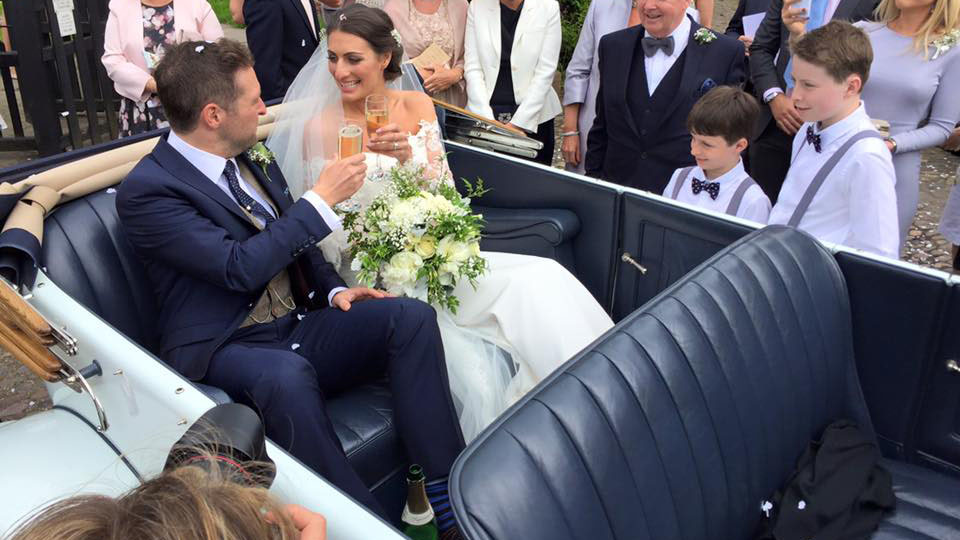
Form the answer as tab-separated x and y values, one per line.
418	238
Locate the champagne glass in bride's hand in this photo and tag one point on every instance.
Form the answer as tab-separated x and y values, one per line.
349	139
377	113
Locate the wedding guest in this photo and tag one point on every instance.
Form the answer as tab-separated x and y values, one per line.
441	22
840	186
914	85
511	78
583	77
282	35
950	222
720	125
134	40
769	61
650	77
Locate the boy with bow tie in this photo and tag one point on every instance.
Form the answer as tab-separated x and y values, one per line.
840	185
720	125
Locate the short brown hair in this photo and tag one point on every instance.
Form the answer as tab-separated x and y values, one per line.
726	112
839	48
195	73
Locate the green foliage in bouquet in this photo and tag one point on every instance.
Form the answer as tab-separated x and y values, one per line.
418	238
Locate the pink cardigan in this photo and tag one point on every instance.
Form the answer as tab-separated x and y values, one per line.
123	40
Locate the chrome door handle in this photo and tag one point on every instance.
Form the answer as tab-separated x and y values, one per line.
628	259
953	365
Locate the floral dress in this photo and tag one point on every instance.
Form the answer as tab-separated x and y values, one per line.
436	28
158	34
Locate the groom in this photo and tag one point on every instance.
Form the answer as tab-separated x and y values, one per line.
650	77
247	302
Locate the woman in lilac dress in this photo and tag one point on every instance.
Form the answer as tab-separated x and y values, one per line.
583	77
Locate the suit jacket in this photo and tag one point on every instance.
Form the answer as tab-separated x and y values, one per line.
772	38
123	40
536	52
638	140
281	39
209	264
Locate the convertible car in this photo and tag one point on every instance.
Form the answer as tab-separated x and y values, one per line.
734	348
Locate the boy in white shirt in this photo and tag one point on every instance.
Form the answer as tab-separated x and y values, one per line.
840	186
720	125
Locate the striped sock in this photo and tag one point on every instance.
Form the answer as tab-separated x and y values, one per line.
439	496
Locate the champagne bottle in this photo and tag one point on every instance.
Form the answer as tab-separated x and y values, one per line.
419	523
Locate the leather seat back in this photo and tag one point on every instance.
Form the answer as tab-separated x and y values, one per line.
685	416
86	253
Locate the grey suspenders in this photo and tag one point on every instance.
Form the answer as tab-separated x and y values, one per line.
734	205
825	171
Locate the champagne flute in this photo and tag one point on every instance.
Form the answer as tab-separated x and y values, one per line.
349	139
377	113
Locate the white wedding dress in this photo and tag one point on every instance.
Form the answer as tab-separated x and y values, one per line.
526	317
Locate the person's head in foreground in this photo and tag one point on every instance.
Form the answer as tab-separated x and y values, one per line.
187	503
831	65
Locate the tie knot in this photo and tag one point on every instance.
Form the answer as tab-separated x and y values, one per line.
230	169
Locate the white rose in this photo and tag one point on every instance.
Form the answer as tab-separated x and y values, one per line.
401	272
475	249
355	264
427	246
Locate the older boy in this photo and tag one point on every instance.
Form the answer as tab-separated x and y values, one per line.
840	186
720	124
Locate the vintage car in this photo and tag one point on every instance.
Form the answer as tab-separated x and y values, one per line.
890	327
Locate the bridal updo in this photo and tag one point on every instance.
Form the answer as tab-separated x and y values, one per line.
375	26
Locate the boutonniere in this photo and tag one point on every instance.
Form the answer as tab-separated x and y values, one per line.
704	36
262	156
945	42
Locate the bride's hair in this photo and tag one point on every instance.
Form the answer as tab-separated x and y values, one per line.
375	26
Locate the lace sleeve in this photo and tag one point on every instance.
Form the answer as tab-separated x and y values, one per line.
433	156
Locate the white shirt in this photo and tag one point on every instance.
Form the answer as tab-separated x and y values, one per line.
754	206
309	9
212	166
856	206
659	64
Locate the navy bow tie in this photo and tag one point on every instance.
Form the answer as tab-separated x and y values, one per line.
713	188
814	139
651	45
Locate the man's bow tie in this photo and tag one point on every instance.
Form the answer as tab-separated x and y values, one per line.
814	139
652	44
713	188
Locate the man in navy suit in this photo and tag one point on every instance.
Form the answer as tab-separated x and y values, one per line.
650	77
282	34
247	302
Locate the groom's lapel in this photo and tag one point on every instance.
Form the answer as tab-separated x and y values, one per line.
272	182
182	169
633	61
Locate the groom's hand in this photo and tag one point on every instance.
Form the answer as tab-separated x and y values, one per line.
341	179
344	298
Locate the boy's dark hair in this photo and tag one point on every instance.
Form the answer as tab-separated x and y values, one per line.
195	73
376	27
726	112
838	47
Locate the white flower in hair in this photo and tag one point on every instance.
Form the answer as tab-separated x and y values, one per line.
396	37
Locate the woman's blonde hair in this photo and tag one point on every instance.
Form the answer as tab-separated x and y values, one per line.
944	17
187	503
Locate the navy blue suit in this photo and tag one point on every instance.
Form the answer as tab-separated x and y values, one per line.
638	140
281	40
209	265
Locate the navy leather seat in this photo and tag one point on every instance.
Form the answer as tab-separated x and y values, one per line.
87	255
689	413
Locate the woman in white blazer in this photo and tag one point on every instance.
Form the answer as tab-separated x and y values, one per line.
510	58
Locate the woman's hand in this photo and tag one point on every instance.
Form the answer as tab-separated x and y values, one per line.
747	42
390	141
571	149
150	87
442	78
795	19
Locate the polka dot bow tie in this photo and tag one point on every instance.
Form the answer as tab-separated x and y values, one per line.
814	139
713	188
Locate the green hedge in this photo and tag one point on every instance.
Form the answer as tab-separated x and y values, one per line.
572	13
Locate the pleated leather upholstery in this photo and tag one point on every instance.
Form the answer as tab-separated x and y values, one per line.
685	416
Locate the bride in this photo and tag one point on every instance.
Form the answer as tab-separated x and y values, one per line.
527	314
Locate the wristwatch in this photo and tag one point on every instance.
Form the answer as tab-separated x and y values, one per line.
769	97
892	141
